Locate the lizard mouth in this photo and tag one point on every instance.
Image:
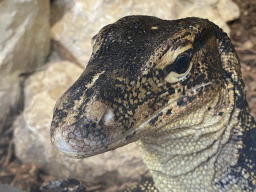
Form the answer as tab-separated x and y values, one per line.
62	145
72	148
146	128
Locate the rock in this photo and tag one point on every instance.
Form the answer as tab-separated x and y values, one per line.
8	188
80	20
25	32
10	95
32	139
228	10
24	45
217	11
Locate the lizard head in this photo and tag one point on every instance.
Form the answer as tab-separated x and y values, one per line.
143	74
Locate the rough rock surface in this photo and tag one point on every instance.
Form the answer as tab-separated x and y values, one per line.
10	93
24	45
8	188
32	139
76	22
24	41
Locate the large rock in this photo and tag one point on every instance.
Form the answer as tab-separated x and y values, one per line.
80	20
24	40
32	139
10	95
24	45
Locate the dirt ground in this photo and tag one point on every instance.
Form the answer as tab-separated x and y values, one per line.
243	35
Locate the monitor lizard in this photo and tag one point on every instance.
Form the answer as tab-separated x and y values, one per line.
175	88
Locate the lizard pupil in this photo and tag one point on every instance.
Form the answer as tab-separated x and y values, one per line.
181	64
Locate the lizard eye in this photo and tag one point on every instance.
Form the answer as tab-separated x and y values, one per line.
177	70
181	64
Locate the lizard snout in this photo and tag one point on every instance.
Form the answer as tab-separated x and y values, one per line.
84	132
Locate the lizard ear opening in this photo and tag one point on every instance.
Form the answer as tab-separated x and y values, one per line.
179	69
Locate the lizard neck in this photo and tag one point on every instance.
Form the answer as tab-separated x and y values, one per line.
201	149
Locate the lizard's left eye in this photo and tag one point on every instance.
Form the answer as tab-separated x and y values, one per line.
181	64
179	69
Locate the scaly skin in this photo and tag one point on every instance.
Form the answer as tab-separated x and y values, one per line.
175	87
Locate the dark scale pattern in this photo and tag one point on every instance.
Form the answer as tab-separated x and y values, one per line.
175	87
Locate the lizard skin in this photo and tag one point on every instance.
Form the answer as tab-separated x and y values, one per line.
175	87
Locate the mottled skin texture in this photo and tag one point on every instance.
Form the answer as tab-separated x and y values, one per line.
175	87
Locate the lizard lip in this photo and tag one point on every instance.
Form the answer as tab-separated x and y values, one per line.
62	145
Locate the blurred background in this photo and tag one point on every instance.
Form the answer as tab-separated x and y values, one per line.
44	47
